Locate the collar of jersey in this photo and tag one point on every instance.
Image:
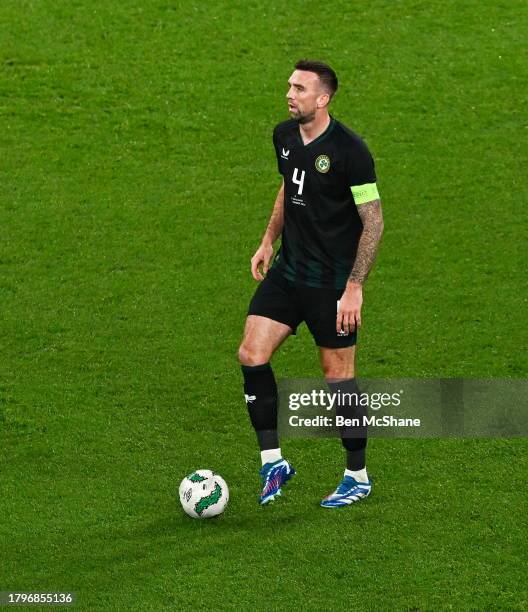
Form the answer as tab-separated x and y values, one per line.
319	138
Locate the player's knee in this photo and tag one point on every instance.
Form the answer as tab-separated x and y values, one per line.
252	356
338	369
332	372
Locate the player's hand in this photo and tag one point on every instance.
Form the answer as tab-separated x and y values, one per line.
262	258
349	313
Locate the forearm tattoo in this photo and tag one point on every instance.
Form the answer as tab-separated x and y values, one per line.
372	219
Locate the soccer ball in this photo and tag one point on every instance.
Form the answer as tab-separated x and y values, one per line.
203	494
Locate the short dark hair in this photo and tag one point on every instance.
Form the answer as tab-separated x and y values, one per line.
326	75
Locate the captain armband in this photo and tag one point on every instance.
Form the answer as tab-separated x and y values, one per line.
365	193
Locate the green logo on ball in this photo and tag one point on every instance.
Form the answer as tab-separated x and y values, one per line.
206	502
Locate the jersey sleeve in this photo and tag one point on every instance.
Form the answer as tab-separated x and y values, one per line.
361	174
276	146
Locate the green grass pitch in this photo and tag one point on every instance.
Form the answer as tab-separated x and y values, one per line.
136	178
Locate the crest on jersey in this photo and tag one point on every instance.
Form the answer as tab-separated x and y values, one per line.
322	163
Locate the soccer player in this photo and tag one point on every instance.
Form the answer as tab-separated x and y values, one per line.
328	214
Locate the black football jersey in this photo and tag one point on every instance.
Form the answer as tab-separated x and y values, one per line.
324	182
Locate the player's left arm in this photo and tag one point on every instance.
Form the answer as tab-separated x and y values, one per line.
349	315
372	218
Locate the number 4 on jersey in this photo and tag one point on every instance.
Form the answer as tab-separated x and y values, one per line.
298	181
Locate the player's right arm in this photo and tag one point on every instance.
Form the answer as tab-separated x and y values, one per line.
264	253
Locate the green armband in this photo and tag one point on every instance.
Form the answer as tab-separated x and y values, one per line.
364	193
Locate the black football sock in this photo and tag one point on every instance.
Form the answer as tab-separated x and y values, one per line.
353	439
356	459
260	390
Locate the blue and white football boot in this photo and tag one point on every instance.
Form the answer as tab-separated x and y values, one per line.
274	476
348	492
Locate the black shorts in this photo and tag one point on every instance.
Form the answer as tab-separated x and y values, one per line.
283	301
